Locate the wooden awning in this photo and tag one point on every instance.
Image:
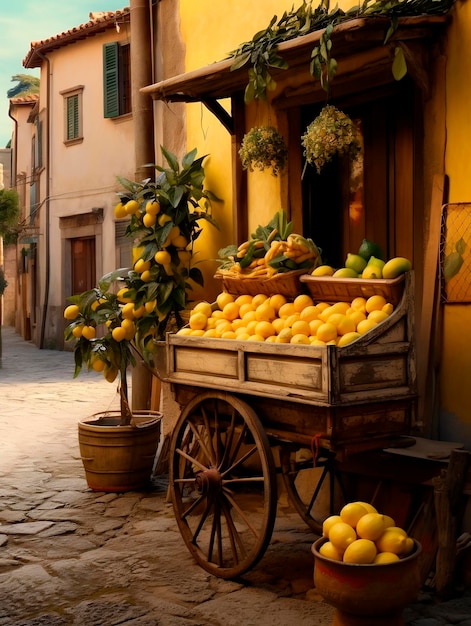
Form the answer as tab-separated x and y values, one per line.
216	81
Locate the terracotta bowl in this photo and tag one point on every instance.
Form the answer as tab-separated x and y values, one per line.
368	590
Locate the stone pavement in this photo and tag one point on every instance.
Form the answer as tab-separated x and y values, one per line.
70	556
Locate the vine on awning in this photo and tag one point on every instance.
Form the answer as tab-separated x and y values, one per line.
261	52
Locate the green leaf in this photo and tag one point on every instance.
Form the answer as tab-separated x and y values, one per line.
399	66
171	159
240	61
196	276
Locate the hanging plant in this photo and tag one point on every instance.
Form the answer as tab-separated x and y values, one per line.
331	133
263	147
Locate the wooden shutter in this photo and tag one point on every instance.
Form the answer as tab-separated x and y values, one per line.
73	117
110	80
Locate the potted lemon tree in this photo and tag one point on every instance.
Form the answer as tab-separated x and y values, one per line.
131	308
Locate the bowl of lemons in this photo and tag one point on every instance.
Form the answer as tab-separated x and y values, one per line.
366	566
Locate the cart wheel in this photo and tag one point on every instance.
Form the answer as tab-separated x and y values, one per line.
222	483
315	492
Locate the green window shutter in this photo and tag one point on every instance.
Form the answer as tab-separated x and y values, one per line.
110	80
73	117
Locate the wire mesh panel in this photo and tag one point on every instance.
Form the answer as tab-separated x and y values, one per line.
455	253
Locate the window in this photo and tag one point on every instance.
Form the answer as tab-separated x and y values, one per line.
73	130
116	80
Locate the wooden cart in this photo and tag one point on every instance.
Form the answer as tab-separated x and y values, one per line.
244	403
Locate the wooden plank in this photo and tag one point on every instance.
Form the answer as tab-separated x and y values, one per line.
428	312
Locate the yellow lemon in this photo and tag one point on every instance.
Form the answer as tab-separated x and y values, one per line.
385	557
243	337
118	333
212	332
249	317
184	331
345	272
328	550
309	313
131	207
265	312
359	304
271	339
228	334
369	507
326	313
302	301
179	241
149	220
110	373
355	262
153	207
342	535
285	335
365	325
197	332
259	299
289	321
362	551
202	307
286	310
388	308
336	318
356	316
409	546
326	332
244	299
314	341
264	329
224	298
141	266
396	266
391	541
128	311
231	311
120	211
140	311
71	312
162	257
300	338
163	219
352	512
89	332
389	521
146	276
251	327
375	303
98	365
245	307
198	321
150	305
278	324
77	331
323	270
377	316
277	301
371	526
237	323
301	327
328	523
121	295
314	326
256	337
321	306
346	326
344	340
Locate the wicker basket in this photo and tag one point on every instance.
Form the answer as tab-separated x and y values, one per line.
287	283
330	289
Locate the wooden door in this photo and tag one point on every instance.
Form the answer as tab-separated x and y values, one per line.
83	264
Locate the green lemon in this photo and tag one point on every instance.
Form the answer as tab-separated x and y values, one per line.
369	249
355	262
374	269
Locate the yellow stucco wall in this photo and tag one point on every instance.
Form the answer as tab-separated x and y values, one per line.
210	30
455	367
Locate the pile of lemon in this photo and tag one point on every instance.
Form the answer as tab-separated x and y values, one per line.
275	319
361	535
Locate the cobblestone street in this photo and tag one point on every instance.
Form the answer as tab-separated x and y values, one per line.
70	556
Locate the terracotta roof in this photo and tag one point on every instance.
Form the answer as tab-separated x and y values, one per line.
31	99
98	23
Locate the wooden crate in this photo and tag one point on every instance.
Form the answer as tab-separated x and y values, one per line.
378	366
330	289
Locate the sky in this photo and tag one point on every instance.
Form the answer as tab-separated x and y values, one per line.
24	21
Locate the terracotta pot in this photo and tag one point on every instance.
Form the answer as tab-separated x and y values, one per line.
367	594
119	458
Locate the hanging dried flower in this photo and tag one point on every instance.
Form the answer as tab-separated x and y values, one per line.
263	147
331	133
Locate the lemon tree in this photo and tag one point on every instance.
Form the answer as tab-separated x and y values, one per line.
132	307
